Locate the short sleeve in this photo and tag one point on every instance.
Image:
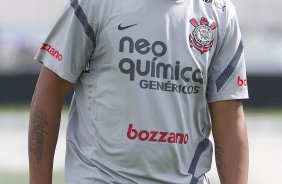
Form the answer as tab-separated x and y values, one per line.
70	44
227	78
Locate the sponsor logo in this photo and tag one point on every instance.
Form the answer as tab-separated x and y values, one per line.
120	27
157	136
52	51
202	36
216	3
242	82
191	78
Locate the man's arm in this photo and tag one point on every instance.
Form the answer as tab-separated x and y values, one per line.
231	141
45	114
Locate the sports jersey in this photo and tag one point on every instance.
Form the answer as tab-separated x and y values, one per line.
144	72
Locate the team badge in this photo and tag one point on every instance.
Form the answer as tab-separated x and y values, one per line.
202	36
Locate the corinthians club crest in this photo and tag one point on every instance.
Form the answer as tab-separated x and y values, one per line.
202	36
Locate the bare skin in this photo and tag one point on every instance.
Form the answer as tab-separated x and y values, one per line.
45	114
231	141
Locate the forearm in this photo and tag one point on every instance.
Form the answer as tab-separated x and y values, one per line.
231	153
231	147
43	132
45	115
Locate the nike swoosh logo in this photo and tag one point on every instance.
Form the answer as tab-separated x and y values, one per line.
125	27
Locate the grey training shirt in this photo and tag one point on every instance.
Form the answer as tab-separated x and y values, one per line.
144	72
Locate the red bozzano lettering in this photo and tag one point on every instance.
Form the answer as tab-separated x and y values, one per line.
157	136
153	136
241	82
52	51
162	136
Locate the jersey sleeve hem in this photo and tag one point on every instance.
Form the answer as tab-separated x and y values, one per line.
51	66
230	96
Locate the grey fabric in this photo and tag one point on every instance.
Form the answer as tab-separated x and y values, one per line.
226	74
140	111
